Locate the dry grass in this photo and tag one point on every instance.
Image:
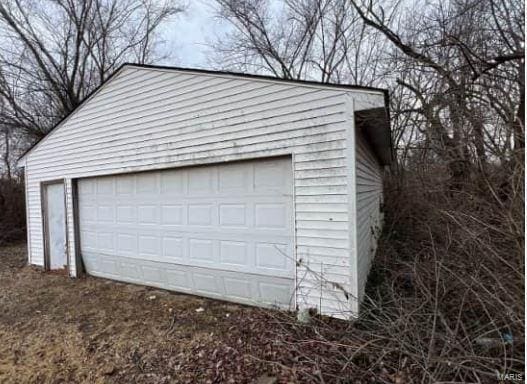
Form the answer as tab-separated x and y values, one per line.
54	329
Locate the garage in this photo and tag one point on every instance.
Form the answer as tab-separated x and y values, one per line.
245	188
223	231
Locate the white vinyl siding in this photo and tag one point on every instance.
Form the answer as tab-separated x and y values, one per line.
152	119
369	199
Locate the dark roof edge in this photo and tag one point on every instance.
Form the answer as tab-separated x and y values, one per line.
208	72
374	124
387	106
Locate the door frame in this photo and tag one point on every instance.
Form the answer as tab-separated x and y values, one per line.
80	269
45	229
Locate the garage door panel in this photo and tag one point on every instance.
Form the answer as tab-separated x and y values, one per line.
126	244
277	236
149	246
147	214
202	250
206	282
235	253
126	214
109	266
222	231
234	179
226	285
174	248
125	185
173	183
272	256
153	275
201	180
170	199
271	215
201	214
270	292
147	184
88	212
87	188
105	186
130	271
238	288
173	214
105	241
270	175
233	215
178	279
264	258
105	213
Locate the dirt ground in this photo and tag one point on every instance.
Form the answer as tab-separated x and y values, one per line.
54	329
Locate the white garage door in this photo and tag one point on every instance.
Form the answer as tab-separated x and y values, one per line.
222	231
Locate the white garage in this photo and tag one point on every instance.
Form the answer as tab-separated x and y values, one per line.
243	188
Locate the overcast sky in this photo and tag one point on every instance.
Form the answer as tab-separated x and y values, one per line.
188	36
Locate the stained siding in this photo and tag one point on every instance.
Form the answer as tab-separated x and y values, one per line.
369	217
155	119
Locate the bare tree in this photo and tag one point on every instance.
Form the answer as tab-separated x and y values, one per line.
457	59
456	68
323	40
55	52
6	156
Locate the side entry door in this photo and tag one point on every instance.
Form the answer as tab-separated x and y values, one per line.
55	226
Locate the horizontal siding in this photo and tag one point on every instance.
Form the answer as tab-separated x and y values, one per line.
152	119
368	200
190	127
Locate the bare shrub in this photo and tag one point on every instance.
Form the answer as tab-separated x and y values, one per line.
445	299
12	211
448	300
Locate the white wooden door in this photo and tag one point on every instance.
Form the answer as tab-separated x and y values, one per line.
55	226
223	231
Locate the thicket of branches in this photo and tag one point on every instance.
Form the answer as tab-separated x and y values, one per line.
445	298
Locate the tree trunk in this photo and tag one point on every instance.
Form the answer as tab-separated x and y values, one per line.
519	124
6	155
